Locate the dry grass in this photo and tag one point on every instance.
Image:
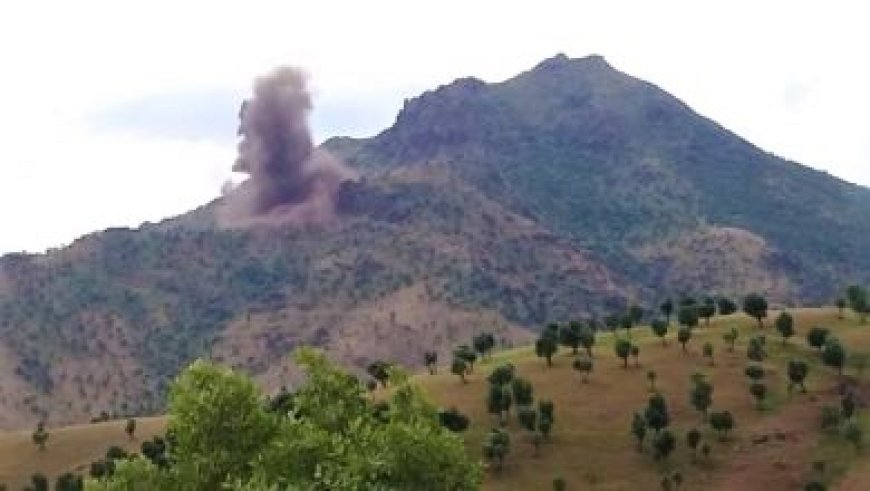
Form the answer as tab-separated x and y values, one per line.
591	446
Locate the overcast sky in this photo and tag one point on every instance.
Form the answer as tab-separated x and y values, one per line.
114	113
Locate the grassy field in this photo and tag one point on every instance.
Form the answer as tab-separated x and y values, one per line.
591	447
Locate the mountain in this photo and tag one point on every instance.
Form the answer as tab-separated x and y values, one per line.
564	192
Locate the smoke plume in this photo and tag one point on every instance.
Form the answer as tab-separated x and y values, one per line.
289	179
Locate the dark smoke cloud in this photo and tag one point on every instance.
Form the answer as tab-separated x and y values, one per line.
289	179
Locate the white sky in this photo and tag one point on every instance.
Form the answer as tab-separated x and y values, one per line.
118	112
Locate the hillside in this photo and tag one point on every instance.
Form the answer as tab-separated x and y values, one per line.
564	192
590	445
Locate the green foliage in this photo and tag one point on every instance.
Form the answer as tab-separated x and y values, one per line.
40	436
69	482
502	374
693	439
466	354
688	316
758	391
722	422
785	325
797	374
817	336
546	346
496	446
755	349
453	420
667	309
707	309
622	348
830	417
523	392
587	339
755	306
859	301
701	395
663	444
459	367
833	354
130	428
569	335
656	414
684	334
730	337
638	429
484	343
660	328
528	418
584	365
499	401
707	351
854	434
726	306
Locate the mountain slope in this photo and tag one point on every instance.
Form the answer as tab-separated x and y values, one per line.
564	192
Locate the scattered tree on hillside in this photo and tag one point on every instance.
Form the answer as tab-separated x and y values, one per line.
466	354
40	436
667	308
626	321
587	339
130	428
546	346
483	344
502	374
688	316
622	348
498	402
693	440
638	429
38	482
663	444
583	364
522	391
755	306
559	484
848	405
722	422
635	353
430	359
684	334
730	337
726	306
707	350
817	336
830	417
758	391
785	325
660	328
841	306
707	310
528	419
459	367
754	372
453	420
755	349
656	414
815	486
834	355
797	373
635	312
854	434
569	335
701	395
651	377
859	301
496	447
380	371
69	482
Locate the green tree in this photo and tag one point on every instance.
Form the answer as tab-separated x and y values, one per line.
834	355
707	310
622	348
817	336
663	444
730	337
651	377
848	406
380	371
688	316
638	429
569	335
496	447
559	484
453	420
684	334
841	306
522	391
707	350
754	372
656	413
854	434
797	374
546	346
755	306
858	301
466	354
430	359
667	309
785	325
701	395
502	374
583	364
758	391
726	306
40	436
693	440
68	482
660	328
459	367
722	422
483	344
38	482
587	339
499	401
635	353
755	349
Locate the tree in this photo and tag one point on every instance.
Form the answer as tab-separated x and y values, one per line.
707	350
459	367
583	364
705	451
626	321
722	422
130	428
638	429
38	482
663	444
815	486
854	434
498	402
651	377
528	418
755	349
684	334
667	308
522	391
453	420
635	312
831	417
68	482
380	371
496	447
40	436
587	339
858	301
546	409
688	316
569	335
622	348
635	353
847	406
755	306
656	414
430	359
546	346
483	344
730	337
817	336
841	305
701	395
502	374
693	439
785	325
466	354
660	328
726	306
559	484
834	355
797	373
707	310
758	391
